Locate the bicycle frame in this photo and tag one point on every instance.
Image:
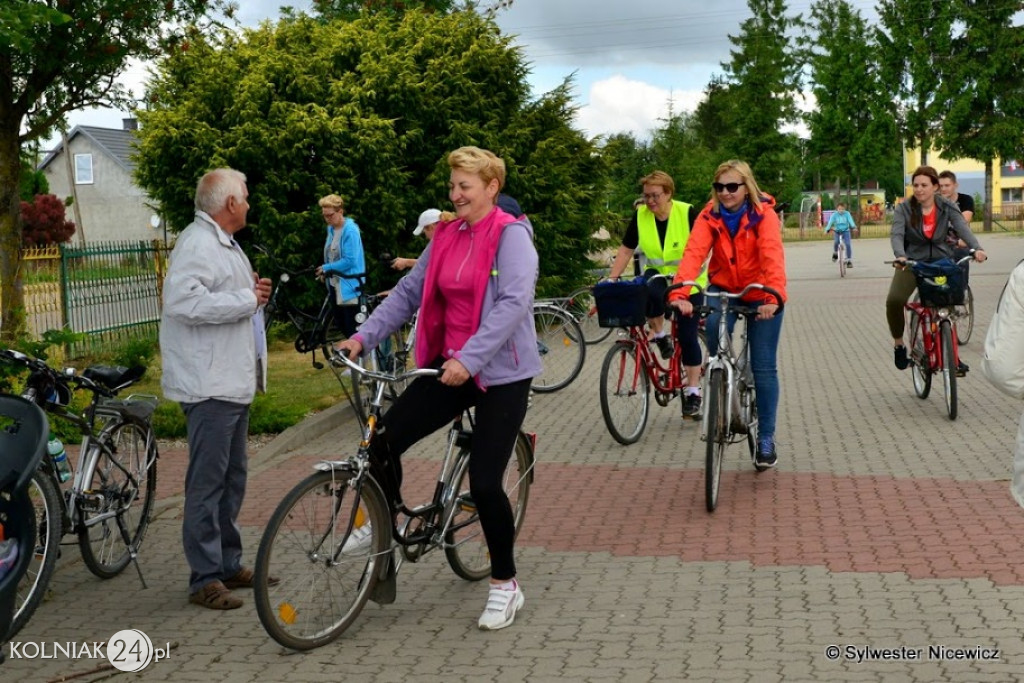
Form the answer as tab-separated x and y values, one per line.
733	365
927	330
437	516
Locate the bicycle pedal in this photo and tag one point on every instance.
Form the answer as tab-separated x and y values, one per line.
466	504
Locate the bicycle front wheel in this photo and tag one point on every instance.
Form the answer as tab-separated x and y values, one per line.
948	367
920	366
121	491
325	574
625	393
965	323
716	438
45	497
561	347
583	308
842	258
465	546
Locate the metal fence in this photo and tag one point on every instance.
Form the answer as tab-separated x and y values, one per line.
109	291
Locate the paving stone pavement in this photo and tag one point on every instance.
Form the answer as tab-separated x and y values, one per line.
887	532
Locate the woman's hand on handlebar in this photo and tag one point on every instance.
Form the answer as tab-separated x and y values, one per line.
766	311
350	347
683	306
980	256
454	373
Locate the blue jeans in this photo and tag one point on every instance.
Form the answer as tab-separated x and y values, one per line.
845	235
763	337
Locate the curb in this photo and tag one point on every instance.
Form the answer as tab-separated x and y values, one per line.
309	429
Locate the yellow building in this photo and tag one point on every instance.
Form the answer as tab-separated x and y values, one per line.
1007	180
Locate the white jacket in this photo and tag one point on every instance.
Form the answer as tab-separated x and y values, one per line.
208	338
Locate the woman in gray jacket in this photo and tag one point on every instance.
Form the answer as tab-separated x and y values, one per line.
919	229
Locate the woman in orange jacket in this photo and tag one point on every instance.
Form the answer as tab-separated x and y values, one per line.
741	230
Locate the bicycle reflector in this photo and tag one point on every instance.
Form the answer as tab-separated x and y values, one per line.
286	613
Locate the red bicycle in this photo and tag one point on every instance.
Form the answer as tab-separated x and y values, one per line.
629	371
934	347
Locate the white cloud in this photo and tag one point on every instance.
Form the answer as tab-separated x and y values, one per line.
617	104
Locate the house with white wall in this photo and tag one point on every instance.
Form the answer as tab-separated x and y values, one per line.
111	207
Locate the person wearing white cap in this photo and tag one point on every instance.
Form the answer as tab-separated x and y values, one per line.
424	226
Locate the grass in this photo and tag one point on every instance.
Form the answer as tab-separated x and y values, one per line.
295	389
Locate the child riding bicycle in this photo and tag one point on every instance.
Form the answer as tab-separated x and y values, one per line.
840	224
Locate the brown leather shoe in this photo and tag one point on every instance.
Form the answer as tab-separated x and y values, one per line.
215	595
243	579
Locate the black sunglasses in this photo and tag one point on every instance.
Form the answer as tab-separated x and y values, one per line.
729	187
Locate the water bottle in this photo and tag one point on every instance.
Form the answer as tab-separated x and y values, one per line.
60	457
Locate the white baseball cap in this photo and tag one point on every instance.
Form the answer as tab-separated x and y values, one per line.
428	217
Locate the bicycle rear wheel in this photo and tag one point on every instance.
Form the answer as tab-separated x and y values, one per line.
716	438
322	584
948	367
45	497
625	393
561	346
582	307
123	487
465	547
965	323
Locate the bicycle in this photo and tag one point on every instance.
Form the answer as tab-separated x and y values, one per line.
964	322
581	306
730	406
841	252
629	370
934	346
561	346
325	571
109	502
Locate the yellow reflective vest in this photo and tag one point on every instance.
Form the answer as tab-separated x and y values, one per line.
665	258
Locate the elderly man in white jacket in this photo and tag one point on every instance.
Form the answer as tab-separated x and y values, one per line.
214	360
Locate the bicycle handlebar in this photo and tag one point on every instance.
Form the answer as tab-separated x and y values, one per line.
100	380
733	295
913	262
337	358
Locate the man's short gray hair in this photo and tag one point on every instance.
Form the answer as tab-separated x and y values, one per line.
216	186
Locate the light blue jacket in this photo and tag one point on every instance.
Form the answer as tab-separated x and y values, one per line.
840	221
350	261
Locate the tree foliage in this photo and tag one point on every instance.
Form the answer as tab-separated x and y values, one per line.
44	222
981	93
368	109
351	9
57	56
764	75
852	133
914	43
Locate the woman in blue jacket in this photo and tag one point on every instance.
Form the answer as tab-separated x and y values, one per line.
343	255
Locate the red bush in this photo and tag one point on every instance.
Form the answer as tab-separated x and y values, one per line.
43	222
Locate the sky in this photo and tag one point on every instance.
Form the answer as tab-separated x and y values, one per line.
630	60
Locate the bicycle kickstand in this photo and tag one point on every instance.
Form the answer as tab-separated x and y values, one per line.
132	553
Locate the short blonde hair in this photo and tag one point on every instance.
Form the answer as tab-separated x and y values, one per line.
333	201
482	162
447	216
754	193
660	179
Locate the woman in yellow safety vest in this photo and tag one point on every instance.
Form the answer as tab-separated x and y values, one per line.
660	227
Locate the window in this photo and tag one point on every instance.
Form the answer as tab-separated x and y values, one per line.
1012	194
83	169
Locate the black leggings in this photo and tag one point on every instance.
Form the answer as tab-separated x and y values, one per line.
426	406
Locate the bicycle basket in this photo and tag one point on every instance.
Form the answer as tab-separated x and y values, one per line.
621	303
940	283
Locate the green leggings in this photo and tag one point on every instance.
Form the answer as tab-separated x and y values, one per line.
903	285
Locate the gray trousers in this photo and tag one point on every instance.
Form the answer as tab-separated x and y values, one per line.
214	489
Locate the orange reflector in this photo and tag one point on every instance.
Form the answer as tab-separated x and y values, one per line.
286	613
360	518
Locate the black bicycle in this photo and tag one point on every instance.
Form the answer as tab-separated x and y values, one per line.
330	543
110	499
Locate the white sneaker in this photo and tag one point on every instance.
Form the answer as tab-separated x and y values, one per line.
501	608
359	540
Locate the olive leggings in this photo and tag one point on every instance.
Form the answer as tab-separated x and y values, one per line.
902	287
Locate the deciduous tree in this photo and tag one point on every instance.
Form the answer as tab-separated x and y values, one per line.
368	109
57	56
